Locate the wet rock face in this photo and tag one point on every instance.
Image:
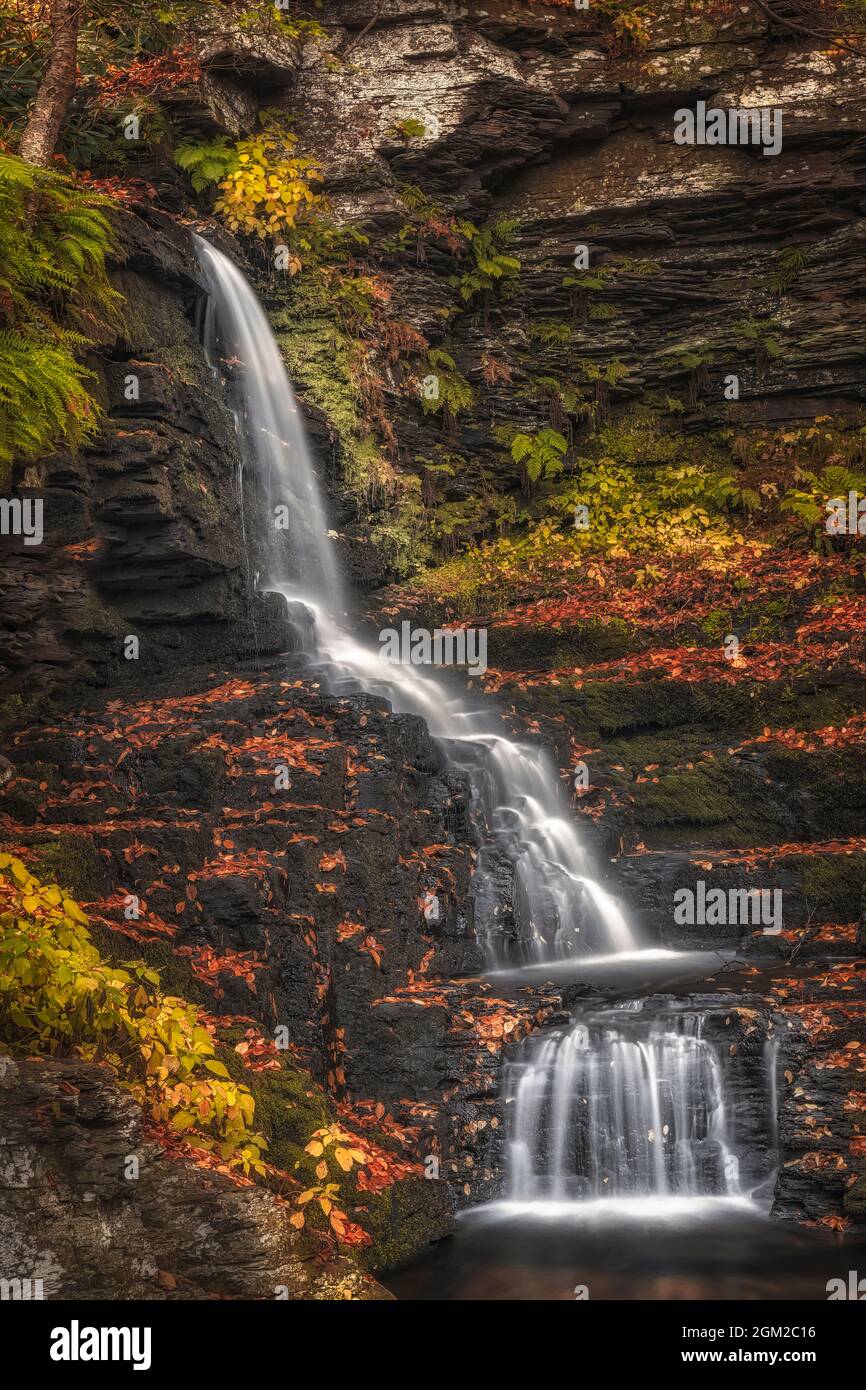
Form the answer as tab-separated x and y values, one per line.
139	534
537	117
304	906
820	1019
93	1209
278	827
275	852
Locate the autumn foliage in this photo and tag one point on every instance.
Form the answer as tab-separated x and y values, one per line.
58	997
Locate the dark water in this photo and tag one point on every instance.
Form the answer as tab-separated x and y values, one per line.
700	1249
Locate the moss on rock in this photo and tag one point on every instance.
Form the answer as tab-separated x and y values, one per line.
402	1220
703	796
833	885
73	862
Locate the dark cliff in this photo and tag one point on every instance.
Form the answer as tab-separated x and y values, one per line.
307	910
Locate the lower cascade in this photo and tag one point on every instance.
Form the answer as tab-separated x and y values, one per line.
619	1106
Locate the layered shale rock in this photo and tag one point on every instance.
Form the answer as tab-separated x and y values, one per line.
303	862
305	906
138	534
531	118
94	1209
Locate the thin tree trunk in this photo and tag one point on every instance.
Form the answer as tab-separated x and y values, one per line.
58	83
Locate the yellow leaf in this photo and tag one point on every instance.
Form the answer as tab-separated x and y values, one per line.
218	1068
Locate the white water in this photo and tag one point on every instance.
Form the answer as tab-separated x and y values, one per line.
534	892
614	1109
271	428
617	1107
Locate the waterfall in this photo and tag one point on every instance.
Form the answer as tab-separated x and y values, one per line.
612	1108
535	895
238	335
617	1105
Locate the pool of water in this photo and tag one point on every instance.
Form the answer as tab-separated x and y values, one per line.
639	1248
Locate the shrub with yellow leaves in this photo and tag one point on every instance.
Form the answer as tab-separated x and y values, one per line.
59	998
344	1149
269	187
346	1153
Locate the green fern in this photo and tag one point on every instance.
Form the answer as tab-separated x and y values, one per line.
551	331
491	263
790	262
731	491
454	395
207	164
43	398
807	503
540	454
55	299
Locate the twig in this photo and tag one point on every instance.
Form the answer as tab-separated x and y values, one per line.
797	26
365	31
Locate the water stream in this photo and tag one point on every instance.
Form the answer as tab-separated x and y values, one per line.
555	906
619	1105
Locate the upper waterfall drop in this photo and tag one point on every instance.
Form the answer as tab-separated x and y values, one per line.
270	424
536	899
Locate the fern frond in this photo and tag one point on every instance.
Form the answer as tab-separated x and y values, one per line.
55	301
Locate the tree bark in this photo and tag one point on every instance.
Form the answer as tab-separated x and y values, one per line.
58	83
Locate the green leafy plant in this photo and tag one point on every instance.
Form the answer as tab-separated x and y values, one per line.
551	331
695	363
579	289
629	515
207	164
790	261
540	455
264	186
55	300
453	393
491	263
59	998
561	400
409	129
761	333
806	502
733	492
604	376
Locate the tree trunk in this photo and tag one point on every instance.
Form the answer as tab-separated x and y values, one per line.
58	83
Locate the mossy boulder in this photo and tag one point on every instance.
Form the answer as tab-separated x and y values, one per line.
73	862
523	647
289	1108
833	885
402	1220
